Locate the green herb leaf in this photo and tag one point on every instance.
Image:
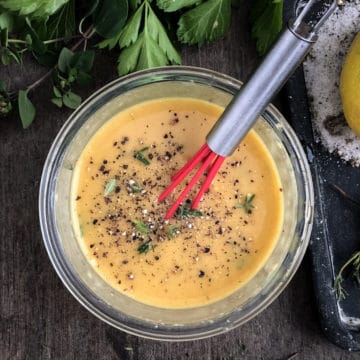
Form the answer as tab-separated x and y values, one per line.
158	33
83	78
5	59
145	53
57	101
206	22
141	227
6	21
109	43
110	17
36	9
4	37
26	109
129	57
83	60
184	211
141	157
145	247
73	67
340	291
36	45
64	62
71	100
354	263
8	54
130	32
150	48
134	4
45	26
151	54
57	92
171	5
247	204
266	18
110	187
173	231
62	24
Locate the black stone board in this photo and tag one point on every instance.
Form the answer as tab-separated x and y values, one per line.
336	231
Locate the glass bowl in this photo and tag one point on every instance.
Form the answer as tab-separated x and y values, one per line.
121	311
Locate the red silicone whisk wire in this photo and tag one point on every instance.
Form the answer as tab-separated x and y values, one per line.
209	179
199	156
209	159
184	171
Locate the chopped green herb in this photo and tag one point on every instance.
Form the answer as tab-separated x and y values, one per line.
184	211
141	227
141	157
354	262
145	247
247	204
135	187
173	231
110	187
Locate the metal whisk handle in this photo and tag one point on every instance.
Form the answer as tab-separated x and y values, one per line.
281	61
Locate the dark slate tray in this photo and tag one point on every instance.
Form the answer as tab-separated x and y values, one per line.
336	231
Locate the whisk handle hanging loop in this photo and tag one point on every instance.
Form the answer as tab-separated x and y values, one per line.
281	61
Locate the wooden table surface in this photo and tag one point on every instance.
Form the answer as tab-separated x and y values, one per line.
39	317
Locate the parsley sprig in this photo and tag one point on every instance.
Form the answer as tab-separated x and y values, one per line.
144	33
144	41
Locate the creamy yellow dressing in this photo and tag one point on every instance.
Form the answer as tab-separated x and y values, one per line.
186	261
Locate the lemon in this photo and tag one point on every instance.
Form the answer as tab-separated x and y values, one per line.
350	86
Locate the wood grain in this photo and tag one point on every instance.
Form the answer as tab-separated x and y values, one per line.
39	317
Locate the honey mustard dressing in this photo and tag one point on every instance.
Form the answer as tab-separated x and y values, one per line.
196	257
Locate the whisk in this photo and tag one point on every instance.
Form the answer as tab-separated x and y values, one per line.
251	100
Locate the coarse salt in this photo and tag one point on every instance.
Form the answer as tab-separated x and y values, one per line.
322	70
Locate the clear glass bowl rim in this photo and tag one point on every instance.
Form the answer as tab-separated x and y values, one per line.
46	207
